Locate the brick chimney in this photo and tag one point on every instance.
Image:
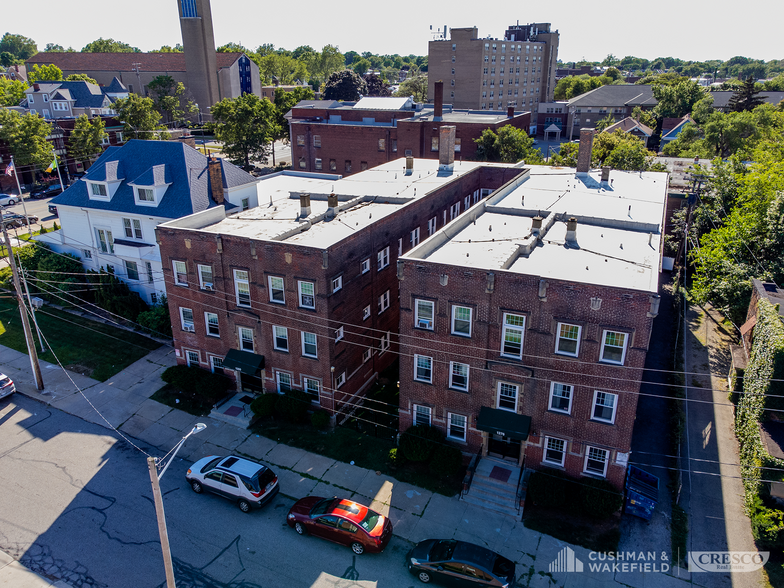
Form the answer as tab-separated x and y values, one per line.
536	225
510	111
438	97
215	172
409	164
36	87
584	156
571	231
446	147
332	205
304	205
605	175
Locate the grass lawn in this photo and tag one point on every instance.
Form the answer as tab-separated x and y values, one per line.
82	345
189	402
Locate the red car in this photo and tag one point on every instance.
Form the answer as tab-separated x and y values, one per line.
341	521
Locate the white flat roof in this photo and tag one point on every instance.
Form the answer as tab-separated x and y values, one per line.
618	234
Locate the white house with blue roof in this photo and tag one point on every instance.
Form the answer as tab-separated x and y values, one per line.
71	99
108	217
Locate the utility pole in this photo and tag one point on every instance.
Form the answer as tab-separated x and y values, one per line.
162	531
24	206
39	380
32	311
137	68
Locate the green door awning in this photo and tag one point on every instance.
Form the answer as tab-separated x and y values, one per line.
243	361
504	423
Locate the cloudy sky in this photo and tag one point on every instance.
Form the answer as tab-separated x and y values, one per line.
590	30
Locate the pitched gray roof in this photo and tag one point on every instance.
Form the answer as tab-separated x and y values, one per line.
721	99
616	95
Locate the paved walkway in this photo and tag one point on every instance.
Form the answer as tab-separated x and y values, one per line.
416	513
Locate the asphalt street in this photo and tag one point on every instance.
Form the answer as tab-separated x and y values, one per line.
79	501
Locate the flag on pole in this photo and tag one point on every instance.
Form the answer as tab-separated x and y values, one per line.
52	165
9	170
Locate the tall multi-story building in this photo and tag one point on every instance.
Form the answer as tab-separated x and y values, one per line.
494	74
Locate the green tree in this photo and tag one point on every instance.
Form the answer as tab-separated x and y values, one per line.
607	121
361	66
44	73
322	65
157	320
284	102
102	45
572	86
281	68
303	52
139	118
26	136
245	125
676	100
12	92
509	145
21	47
344	85
87	138
702	109
746	98
7	59
620	150
169	49
54	48
169	99
689	143
80	77
610	60
233	48
415	86
376	86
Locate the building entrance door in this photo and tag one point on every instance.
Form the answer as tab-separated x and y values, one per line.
252	384
504	447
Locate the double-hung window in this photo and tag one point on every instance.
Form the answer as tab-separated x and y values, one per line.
422	415
457	427
105	241
180	273
561	397
186	319
415	237
604	406
307	294
205	277
312	388
131	270
423	314
461	321
281	338
383	258
554	451
596	461
337	283
385	339
454	211
383	302
211	320
366	312
242	287
276	290
246	339
458	376
507	396
284	382
613	347
423	369
512	335
309	348
364	267
216	364
338	334
431	226
133	228
568	341
192	358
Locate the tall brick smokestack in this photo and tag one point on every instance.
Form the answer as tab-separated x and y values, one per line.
584	156
438	96
215	172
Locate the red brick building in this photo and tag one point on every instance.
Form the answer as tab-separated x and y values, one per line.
347	138
524	326
302	291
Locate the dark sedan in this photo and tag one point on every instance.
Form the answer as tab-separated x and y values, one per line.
457	563
341	521
47	191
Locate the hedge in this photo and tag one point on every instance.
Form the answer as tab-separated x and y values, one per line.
206	385
589	496
419	442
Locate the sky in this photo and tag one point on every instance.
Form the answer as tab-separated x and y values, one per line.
686	30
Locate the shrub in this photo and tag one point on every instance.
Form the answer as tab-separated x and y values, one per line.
319	420
551	489
264	405
446	461
156	320
43	230
587	496
419	442
599	498
208	386
293	406
55	226
767	526
396	457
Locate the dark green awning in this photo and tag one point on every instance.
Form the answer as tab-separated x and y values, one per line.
243	361
503	423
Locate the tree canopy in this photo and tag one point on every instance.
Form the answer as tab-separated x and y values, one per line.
376	86
12	92
509	145
102	45
746	98
676	100
20	47
170	101
44	73
618	150
87	138
139	118
80	77
26	137
415	86
344	85
245	125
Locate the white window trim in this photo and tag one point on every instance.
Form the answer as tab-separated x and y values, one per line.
385	342
429	413
614	408
237	282
337	283
383	302
139	202
452	385
299	290
364	266
470	320
563	455
202	284
383	258
339	334
449	427
415	237
282	289
252	338
340	380
213	367
92	196
431	226
317	398
552	396
416	369
188	357
367	354
190	328
366	313
516	397
275	338
506	327
302	338
176	273
623	350
420	323
558	339
278	375
606	461
207	324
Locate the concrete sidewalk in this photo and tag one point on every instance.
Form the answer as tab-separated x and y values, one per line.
416	513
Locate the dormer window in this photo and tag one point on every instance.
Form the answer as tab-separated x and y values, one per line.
98	191
145	194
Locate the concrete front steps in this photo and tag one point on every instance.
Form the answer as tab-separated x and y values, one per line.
492	494
234	412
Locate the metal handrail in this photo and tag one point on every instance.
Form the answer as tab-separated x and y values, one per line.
469	477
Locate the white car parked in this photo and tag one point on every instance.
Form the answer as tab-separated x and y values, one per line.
248	483
6	386
8	199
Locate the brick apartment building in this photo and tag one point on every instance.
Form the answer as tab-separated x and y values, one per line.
346	138
301	291
524	327
493	74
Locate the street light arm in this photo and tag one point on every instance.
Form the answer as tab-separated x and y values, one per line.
197	429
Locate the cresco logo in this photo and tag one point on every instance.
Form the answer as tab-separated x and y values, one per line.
727	561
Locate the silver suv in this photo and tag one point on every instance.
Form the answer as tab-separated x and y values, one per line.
248	483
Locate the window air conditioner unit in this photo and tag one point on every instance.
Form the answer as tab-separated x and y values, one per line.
189	328
424	324
208	285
